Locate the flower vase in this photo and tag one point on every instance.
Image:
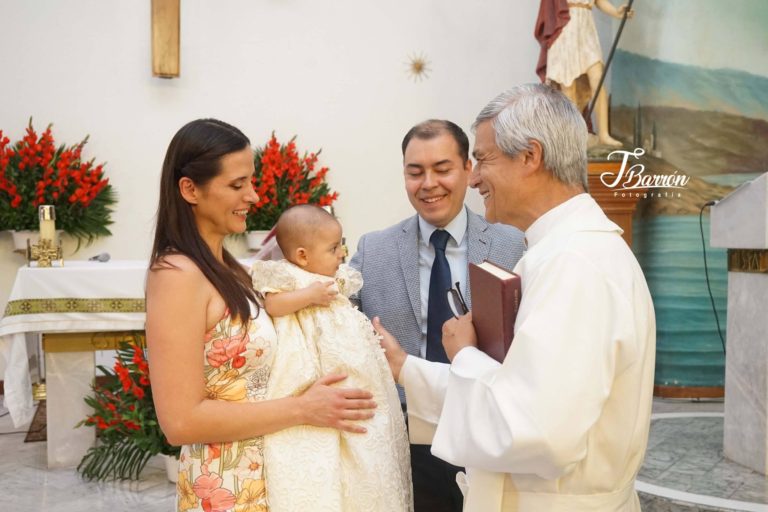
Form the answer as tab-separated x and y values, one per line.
255	239
171	468
20	239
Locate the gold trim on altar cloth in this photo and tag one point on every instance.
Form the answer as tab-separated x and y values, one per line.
71	305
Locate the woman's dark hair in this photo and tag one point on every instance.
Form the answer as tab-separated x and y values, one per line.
195	152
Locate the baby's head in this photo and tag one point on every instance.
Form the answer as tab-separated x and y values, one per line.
310	237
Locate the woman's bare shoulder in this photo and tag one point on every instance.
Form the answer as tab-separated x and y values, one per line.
177	286
174	261
175	268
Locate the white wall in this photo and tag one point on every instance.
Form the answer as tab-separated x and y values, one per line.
333	72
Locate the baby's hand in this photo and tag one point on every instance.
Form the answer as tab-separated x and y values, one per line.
322	294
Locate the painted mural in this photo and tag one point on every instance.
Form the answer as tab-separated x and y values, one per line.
689	85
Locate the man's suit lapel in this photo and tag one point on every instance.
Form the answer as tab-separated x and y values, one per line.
478	246
409	262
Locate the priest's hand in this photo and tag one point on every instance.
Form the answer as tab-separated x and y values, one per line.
457	334
395	354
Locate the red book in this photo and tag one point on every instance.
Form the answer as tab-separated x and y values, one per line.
496	294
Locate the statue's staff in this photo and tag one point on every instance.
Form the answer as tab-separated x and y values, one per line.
610	58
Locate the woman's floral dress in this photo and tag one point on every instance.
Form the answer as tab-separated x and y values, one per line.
230	476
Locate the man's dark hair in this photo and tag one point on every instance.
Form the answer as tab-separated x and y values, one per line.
432	128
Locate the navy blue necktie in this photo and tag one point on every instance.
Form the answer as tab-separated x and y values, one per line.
438	310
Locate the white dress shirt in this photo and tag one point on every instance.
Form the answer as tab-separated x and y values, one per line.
455	253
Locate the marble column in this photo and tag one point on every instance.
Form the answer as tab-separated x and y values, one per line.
746	371
740	223
69	376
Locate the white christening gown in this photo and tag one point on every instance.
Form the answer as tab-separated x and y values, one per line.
323	469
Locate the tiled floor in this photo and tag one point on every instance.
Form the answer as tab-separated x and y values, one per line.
26	485
687	454
684	454
685	463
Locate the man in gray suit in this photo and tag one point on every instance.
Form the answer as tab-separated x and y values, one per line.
408	267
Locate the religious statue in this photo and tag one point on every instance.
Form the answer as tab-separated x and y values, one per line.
571	58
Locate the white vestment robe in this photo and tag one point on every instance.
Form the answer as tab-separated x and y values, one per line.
562	424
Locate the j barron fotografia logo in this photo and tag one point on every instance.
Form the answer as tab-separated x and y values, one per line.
632	180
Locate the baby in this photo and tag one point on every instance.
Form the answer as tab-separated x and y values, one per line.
320	332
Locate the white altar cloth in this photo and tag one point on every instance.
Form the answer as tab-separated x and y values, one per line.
82	296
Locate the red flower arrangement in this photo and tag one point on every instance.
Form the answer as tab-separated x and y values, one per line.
124	416
33	171
283	179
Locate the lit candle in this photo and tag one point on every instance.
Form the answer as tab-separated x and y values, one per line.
47	215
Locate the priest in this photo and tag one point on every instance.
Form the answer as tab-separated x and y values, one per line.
562	423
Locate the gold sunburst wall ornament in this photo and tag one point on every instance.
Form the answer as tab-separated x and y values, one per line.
418	67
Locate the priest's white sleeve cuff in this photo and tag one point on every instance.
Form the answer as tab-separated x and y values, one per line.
425	383
472	363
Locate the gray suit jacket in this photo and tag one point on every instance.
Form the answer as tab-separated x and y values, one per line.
389	262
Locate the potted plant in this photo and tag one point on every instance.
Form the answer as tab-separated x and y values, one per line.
283	179
128	433
34	171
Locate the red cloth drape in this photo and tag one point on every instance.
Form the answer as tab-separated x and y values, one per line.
553	16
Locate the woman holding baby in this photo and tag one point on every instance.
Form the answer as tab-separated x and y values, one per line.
211	343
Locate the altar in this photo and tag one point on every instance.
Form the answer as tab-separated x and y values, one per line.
79	308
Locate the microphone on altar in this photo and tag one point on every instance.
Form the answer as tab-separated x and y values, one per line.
102	257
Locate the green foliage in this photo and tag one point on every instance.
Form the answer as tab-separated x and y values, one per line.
33	172
128	433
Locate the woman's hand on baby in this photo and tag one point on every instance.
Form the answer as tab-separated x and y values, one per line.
322	294
324	405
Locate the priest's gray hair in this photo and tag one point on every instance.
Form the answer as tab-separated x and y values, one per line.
539	112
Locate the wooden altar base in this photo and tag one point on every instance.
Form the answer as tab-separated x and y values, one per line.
37	430
689	391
